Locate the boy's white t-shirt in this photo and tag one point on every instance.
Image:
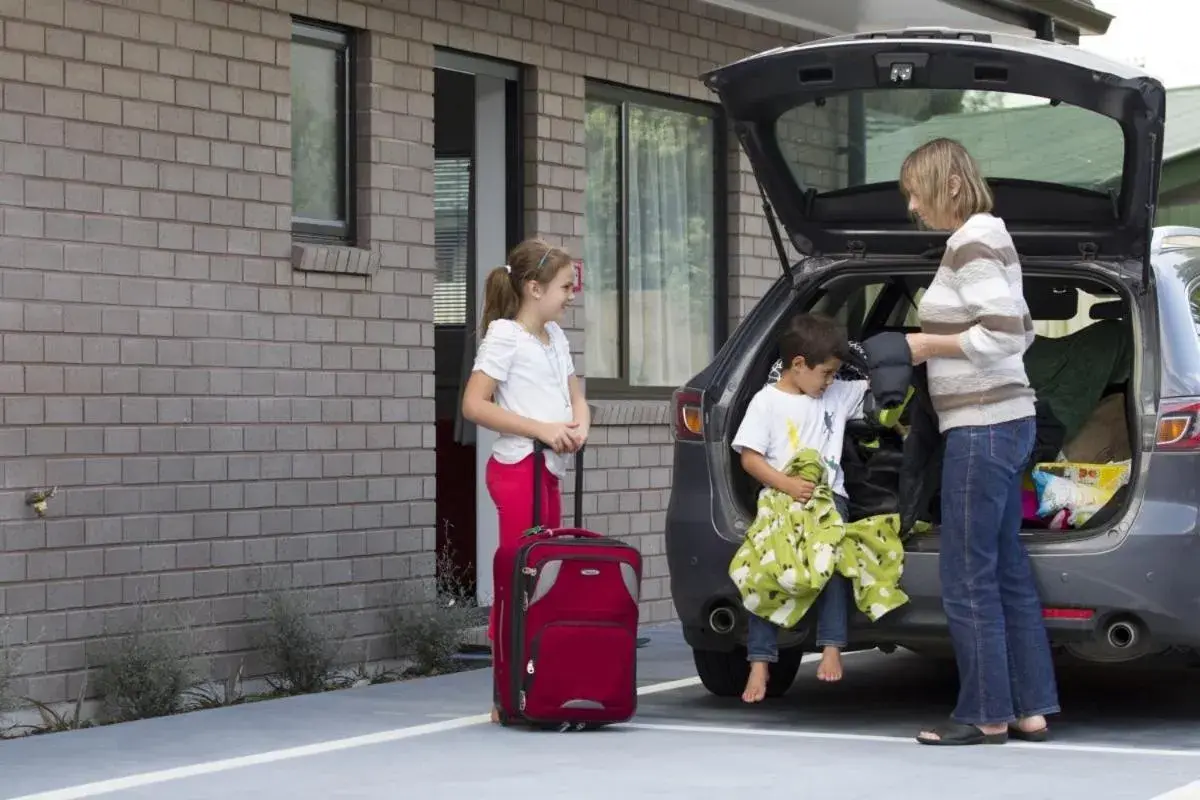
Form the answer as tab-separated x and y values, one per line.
531	380
779	424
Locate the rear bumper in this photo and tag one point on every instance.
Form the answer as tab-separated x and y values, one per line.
1146	576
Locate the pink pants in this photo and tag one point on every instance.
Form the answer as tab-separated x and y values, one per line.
511	488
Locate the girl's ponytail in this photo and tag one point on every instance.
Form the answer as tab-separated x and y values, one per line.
500	298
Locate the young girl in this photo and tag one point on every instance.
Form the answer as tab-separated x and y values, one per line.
523	386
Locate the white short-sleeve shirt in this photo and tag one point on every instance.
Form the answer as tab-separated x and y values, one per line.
531	380
779	424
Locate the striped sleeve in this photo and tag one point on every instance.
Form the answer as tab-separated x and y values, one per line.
1000	323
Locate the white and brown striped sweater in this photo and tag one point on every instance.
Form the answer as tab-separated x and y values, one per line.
977	294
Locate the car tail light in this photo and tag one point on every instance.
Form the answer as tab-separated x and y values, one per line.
1179	426
689	415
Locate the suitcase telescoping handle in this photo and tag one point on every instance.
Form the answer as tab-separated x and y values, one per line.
539	464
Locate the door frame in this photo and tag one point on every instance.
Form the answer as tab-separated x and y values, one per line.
498	178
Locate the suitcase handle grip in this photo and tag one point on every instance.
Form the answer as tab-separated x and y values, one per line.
539	464
570	533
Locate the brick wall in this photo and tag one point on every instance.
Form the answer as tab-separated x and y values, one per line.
216	419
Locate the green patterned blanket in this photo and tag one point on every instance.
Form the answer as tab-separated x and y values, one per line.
793	548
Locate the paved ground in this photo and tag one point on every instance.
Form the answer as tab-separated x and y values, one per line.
428	739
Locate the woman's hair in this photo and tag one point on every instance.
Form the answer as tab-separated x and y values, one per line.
531	260
926	173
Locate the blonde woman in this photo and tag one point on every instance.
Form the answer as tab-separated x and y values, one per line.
975	328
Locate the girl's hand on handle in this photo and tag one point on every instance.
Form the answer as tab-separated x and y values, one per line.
579	434
559	436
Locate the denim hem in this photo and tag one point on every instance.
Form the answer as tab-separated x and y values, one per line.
963	721
762	658
1042	713
839	645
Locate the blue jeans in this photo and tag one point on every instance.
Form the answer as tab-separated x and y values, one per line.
988	589
833	615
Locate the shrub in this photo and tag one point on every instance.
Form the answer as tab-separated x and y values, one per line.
301	650
430	633
144	675
214	694
61	721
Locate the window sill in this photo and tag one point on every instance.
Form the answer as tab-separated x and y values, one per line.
630	412
334	258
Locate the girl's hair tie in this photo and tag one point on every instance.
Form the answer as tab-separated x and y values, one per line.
508	269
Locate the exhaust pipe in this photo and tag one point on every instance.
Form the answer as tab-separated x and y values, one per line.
722	619
1122	635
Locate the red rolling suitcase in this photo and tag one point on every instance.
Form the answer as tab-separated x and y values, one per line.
565	645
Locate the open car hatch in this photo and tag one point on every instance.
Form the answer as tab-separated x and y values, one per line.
1070	142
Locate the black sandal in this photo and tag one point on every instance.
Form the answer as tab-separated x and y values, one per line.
1042	734
955	734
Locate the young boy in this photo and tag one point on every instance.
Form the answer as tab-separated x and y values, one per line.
806	408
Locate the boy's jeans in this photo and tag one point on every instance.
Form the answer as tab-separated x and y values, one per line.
988	591
833	615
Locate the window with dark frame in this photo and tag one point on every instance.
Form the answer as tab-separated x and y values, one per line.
654	288
322	67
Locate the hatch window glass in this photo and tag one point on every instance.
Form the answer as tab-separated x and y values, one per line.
862	137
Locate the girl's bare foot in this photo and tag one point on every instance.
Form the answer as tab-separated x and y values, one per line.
756	684
495	716
830	670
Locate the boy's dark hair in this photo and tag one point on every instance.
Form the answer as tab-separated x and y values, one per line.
815	338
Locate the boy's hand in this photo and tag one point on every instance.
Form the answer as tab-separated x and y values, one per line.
800	489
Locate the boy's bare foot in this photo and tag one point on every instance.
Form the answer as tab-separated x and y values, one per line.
830	670
756	684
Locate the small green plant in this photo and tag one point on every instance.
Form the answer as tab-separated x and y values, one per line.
144	675
301	650
59	722
210	694
430	633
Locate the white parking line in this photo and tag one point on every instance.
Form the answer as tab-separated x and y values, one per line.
273	756
911	740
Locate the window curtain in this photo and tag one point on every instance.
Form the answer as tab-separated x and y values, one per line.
670	236
667	224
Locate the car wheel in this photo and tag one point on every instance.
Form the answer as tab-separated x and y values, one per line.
724	674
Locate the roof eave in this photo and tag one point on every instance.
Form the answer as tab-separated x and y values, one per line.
1078	17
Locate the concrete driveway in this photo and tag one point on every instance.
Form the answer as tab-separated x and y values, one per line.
429	738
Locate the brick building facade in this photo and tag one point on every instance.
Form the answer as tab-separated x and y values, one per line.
228	399
220	410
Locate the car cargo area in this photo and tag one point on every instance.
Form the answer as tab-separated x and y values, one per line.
1081	365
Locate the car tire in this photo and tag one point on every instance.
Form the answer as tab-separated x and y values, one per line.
724	673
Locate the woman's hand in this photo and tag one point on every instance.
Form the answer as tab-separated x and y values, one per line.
925	346
559	436
917	343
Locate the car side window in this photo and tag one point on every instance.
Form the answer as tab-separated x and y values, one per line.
851	305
